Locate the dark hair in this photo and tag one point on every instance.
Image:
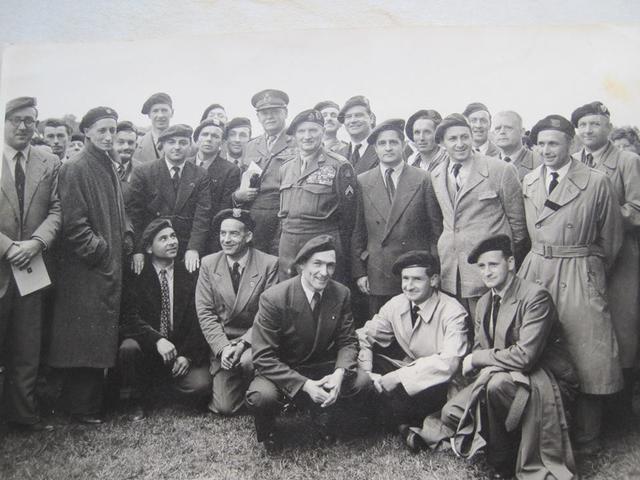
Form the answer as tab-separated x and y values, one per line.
55	122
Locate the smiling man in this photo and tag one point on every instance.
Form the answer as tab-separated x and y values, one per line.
507	134
159	108
330	111
229	286
125	146
237	134
57	134
304	346
421	130
358	121
317	195
479	118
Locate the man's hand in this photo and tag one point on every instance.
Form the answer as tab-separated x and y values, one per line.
230	356
467	367
21	253
375	378
315	390
390	381
181	367
137	263
363	285
333	385
167	350
246	195
192	260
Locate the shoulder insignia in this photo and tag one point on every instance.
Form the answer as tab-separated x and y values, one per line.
349	192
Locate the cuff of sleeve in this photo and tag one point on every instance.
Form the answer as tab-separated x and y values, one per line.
42	242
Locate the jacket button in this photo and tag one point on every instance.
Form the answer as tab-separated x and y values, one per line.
538	226
563	285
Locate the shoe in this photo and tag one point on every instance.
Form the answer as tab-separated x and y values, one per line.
136	413
412	440
90	419
32	427
272	445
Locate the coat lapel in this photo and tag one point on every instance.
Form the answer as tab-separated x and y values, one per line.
9	187
187	184
377	193
405	191
251	277
223	282
326	319
484	304
506	315
439	176
35	171
165	185
478	173
567	190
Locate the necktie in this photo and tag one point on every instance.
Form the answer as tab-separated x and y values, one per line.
315	305
588	159
477	149
165	311
554	181
270	141
414	315
176	178
235	276
391	188
120	169
417	161
19	179
507	159
455	169
355	155
495	309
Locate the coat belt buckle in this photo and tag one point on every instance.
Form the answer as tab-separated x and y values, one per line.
547	251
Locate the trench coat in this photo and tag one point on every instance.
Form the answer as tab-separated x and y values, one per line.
84	328
623	169
576	233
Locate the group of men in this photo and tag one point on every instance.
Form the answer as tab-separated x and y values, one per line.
294	269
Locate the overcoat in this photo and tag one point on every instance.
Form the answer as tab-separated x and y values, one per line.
84	329
576	234
525	161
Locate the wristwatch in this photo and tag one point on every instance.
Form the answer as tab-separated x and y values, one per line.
238	341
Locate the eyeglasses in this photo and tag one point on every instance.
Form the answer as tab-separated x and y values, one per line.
16	121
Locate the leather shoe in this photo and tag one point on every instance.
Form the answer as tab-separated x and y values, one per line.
135	411
32	427
272	445
90	419
412	440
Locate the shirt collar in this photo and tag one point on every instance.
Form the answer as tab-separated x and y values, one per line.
397	170
597	153
308	291
241	261
427	307
514	155
561	171
171	165
10	152
158	268
483	148
504	290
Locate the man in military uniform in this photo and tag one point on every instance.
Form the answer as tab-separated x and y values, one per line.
237	134
330	111
421	130
261	192
358	120
159	109
318	193
508	133
479	118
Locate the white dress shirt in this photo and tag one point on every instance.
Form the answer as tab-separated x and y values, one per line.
562	172
171	165
10	154
395	176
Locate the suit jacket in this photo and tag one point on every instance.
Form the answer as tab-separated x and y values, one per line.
42	212
368	160
152	196
141	307
125	179
223	314
225	179
489	203
384	231
286	337
147	150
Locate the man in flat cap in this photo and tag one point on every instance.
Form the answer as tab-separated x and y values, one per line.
358	120
304	346
479	196
317	195
519	364
430	331
260	193
330	111
623	169
576	232
214	111
56	133
237	134
161	340
125	146
479	118
30	220
159	108
397	211
224	176
96	237
176	189
229	286
421	130
507	135
76	144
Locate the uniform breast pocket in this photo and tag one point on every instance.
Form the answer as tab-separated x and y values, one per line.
285	198
316	200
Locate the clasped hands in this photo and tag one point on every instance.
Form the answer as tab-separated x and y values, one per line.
326	390
168	352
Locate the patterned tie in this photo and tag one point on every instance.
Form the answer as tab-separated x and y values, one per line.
355	155
588	159
175	178
315	305
414	315
235	276
554	181
165	311
417	161
19	178
477	149
495	309
391	188
121	171
455	169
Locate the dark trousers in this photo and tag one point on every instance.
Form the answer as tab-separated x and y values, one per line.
265	400
20	335
140	370
82	390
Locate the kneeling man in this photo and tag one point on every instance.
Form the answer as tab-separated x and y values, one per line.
161	338
304	345
429	329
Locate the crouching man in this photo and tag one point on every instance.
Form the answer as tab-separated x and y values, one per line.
161	337
304	346
429	333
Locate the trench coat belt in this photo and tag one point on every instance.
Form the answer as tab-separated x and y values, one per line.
566	251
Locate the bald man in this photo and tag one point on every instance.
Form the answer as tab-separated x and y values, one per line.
508	133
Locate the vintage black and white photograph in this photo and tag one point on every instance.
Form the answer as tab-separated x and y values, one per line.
320	240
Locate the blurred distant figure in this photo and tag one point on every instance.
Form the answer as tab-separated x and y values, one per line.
626	139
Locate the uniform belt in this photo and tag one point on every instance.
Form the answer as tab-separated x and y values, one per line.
565	251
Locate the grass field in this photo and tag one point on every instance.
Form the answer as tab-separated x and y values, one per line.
181	442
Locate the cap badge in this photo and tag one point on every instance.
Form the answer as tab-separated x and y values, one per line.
237	213
555	123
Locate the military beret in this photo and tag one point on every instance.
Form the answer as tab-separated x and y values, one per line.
358	100
494	243
313	116
326	104
155	226
177	130
593	108
269	98
321	243
432	115
77	137
243	216
475	107
237	123
16	104
552	122
208	109
395	124
126	126
95	114
154	99
453	120
209	122
417	258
